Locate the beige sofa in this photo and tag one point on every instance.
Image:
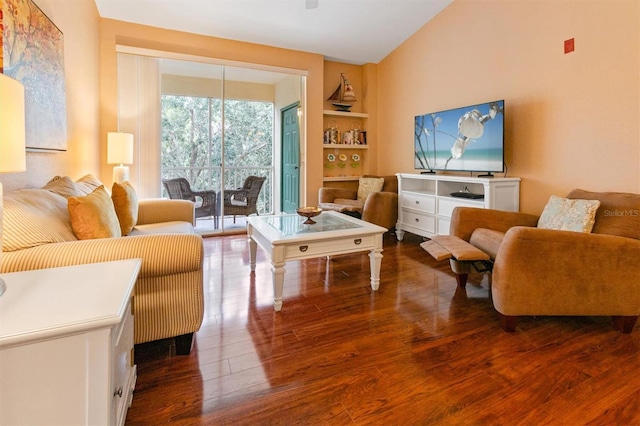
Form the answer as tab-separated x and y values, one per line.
169	301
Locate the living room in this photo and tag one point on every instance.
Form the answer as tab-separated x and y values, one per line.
573	119
556	144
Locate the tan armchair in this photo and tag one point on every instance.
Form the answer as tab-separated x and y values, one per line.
380	208
542	272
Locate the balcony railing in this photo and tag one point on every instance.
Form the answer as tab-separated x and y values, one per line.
209	178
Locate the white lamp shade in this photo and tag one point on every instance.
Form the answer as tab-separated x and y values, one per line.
12	127
119	148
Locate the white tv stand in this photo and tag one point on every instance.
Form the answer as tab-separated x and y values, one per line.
425	202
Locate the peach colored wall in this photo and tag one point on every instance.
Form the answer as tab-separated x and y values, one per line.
117	32
572	121
78	21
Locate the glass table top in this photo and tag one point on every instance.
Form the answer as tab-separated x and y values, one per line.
292	224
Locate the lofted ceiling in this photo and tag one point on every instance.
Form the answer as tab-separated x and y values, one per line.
350	31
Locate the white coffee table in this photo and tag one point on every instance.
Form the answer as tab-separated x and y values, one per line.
285	237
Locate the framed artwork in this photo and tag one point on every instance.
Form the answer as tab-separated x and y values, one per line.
33	53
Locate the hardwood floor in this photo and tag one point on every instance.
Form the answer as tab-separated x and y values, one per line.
417	351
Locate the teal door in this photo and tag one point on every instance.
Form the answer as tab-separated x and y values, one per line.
290	191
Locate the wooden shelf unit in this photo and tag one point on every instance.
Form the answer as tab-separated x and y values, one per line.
349	169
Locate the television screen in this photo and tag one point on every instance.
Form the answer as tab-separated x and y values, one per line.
469	139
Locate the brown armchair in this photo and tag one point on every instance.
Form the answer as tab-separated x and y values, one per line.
380	208
554	273
180	189
243	201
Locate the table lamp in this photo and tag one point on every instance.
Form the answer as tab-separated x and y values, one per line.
120	151
12	138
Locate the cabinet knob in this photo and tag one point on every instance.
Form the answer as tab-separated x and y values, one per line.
303	248
118	392
417	201
357	241
417	220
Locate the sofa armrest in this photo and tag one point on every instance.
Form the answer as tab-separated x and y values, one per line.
548	272
381	208
465	220
162	254
157	210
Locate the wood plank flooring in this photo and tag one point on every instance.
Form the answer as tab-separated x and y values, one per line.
418	351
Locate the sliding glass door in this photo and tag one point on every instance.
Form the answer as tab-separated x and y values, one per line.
219	125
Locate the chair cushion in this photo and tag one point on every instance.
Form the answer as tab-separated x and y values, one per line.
93	216
332	207
619	212
569	214
173	227
125	202
351	205
368	185
487	240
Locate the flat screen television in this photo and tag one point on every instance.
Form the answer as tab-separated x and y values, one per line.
468	139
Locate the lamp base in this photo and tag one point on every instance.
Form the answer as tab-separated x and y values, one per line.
120	174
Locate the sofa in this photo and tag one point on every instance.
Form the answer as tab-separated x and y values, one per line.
549	269
379	207
38	233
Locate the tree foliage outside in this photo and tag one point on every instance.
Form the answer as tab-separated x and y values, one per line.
192	143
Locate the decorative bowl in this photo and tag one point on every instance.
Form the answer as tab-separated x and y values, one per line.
309	212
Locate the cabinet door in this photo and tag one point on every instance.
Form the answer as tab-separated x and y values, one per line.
124	370
57	382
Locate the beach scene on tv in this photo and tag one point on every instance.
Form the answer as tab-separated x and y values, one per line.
462	139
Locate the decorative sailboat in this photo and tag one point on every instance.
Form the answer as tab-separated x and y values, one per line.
344	96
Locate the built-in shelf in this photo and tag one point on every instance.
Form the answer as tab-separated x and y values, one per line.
341	178
345	146
346	114
349	168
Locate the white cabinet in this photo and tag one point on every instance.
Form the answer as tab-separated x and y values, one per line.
425	201
345	161
66	345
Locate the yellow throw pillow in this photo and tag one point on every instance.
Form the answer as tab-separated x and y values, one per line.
93	215
125	201
368	185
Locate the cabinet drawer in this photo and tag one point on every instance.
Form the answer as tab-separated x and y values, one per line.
321	248
446	205
421	202
421	221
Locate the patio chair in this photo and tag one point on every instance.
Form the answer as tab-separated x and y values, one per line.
243	201
180	189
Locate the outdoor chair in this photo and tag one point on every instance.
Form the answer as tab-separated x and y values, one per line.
180	189
243	201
